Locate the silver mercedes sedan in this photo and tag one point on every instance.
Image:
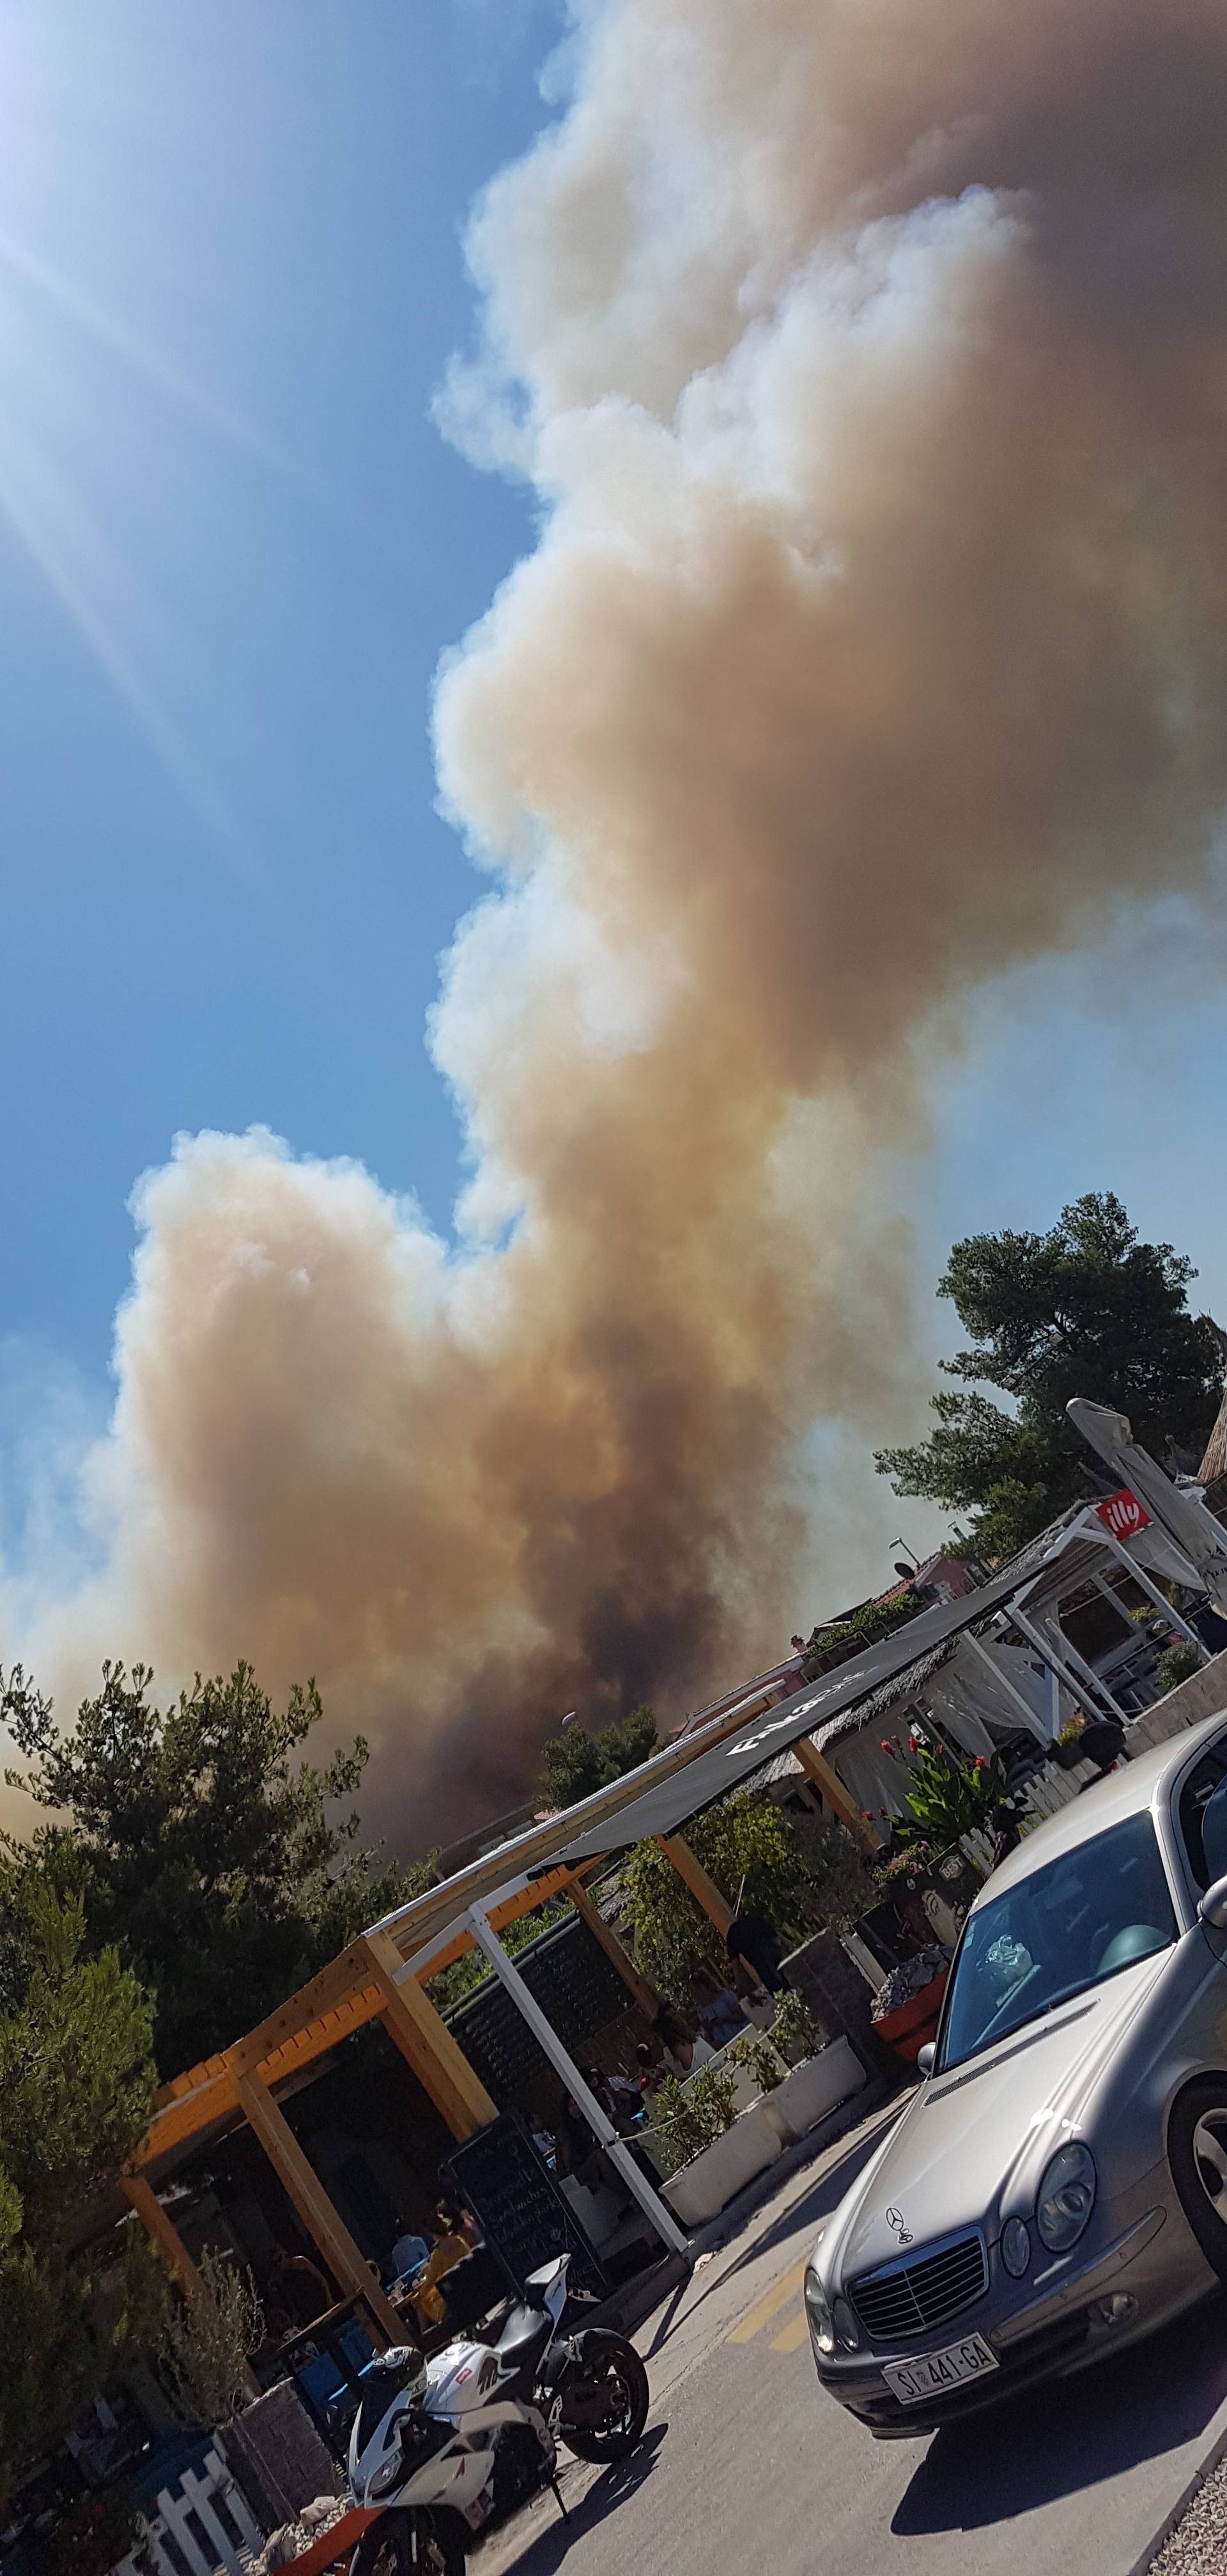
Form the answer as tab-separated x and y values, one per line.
1057	2185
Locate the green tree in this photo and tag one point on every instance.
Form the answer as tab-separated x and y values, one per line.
76	2088
574	1764
757	1857
1087	1309
214	1861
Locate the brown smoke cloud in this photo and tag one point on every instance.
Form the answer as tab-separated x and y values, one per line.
870	360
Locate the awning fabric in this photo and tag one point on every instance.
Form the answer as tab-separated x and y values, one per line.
663	1809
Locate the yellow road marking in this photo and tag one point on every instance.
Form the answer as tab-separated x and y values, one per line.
769	2306
794	2335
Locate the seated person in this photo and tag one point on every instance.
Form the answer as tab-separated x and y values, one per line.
719	2011
409	2252
450	2247
683	2051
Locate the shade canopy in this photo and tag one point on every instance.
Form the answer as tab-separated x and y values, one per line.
711	1775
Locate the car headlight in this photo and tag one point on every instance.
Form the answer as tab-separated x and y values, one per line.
1066	2197
818	2310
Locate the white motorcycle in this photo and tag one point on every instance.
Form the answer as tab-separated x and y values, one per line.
446	2448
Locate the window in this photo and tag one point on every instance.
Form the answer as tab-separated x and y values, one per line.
1203	1815
1089	1914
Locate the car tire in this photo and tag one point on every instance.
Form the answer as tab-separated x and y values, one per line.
1197	2154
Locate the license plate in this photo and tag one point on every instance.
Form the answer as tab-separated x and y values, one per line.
934	2372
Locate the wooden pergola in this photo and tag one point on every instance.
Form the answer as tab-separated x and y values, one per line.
382	1976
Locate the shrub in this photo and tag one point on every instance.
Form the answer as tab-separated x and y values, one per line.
794	2030
688	2117
760	2058
206	2341
1179	1664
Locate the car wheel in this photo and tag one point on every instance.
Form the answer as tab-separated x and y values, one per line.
1197	2153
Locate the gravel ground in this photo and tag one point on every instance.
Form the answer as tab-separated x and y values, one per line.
294	2537
1198	2545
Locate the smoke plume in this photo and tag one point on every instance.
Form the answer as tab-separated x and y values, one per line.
869	360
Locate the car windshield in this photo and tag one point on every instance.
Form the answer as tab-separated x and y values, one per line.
1086	1916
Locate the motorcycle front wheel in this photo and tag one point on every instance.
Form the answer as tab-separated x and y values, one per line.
411	2544
613	2395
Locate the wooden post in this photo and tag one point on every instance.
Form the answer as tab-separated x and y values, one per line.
645	1995
324	2224
141	2197
427	2045
818	1769
702	1888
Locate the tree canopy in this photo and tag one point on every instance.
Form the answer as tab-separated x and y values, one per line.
214	1861
76	2088
1086	1309
573	1764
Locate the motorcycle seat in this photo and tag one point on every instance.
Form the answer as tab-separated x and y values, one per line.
526	2329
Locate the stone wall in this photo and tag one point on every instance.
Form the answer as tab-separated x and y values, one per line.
277	2455
1203	1695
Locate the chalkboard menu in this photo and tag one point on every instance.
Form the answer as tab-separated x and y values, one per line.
524	2217
579	1991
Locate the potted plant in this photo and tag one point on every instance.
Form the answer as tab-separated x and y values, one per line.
713	2149
947	1798
817	2073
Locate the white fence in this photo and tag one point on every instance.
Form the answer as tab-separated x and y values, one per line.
197	2529
1046	1794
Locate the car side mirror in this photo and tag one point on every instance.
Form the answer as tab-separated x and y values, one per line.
1213	1906
925	2056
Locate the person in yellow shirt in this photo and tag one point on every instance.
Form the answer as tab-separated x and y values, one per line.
450	2246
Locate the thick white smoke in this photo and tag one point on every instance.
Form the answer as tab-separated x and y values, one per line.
869	360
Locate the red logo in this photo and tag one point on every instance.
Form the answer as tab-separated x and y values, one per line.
1122	1514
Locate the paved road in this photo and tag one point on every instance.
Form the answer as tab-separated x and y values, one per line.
747	2465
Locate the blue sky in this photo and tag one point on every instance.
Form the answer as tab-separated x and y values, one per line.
232	548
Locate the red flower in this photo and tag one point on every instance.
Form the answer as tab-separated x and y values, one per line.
979	1761
887	1746
913	1744
867	1813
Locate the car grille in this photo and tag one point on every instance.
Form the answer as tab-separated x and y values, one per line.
911	2298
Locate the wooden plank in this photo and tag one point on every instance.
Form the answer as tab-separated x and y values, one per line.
191	2081
182	2117
334	1985
319	2036
323	2223
703	1889
645	1996
427	2045
144	2200
818	1769
553	1882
